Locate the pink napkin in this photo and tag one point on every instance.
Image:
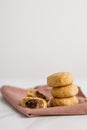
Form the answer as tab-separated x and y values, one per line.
13	95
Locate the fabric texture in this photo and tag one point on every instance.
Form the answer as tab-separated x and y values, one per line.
14	95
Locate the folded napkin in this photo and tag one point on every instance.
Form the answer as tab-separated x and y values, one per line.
14	95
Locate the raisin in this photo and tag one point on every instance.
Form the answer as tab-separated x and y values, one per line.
40	95
32	103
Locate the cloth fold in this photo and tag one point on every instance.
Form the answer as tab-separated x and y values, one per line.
14	95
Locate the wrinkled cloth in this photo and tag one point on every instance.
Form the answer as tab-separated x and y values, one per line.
14	95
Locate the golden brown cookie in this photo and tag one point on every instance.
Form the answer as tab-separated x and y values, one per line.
67	91
64	101
31	92
33	102
60	79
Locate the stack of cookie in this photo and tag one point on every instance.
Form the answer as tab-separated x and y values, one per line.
63	90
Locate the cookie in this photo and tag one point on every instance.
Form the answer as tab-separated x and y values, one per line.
68	91
31	92
60	79
64	101
33	102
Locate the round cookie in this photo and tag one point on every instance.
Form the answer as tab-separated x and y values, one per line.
64	101
60	79
67	91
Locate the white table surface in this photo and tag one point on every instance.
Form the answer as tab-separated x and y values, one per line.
10	119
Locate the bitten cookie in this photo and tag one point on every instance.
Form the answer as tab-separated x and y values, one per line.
64	101
31	92
33	102
67	91
60	79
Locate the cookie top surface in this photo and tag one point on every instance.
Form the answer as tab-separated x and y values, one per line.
60	79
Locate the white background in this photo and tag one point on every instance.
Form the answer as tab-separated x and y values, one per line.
40	37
